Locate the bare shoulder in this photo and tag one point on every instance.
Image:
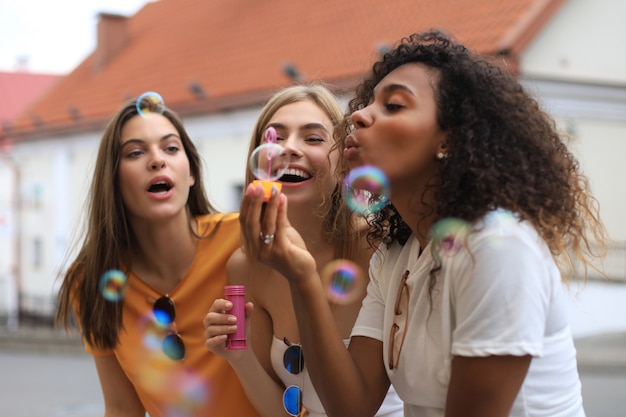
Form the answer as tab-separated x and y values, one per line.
241	269
238	267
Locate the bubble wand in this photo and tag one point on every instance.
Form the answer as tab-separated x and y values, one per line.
268	162
270	137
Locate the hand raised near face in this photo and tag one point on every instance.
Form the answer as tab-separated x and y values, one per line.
269	237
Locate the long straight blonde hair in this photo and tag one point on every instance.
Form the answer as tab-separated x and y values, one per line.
339	223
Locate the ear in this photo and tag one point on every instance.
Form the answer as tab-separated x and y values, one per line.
192	181
442	141
442	151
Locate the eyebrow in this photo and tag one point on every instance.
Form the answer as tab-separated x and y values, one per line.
308	126
163	138
394	87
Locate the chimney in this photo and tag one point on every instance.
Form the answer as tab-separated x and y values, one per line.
112	37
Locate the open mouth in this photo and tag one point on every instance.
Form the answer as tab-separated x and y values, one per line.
160	187
293	175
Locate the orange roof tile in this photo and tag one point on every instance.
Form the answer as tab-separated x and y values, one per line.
20	89
236	50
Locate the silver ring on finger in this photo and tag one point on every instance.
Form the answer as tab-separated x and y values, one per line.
266	238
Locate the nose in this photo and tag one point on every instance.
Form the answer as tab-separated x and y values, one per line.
361	118
291	145
157	161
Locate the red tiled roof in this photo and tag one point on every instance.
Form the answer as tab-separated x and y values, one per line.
236	50
20	89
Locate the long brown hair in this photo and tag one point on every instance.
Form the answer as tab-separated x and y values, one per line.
108	236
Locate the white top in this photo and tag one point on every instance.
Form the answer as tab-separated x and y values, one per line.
392	405
506	298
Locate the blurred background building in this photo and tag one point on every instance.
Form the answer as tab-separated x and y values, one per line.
18	90
216	63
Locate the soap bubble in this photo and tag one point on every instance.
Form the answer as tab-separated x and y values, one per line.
366	190
113	285
344	281
448	235
269	161
150	103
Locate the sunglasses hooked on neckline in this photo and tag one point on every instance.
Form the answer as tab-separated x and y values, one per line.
164	311
400	312
293	361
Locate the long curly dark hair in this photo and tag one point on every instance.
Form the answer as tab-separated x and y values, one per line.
504	151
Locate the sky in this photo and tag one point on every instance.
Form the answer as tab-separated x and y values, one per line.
53	37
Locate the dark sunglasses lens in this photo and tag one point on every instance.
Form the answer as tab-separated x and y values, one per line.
164	310
293	359
173	347
292	400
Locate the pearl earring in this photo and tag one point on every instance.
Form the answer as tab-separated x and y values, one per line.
441	155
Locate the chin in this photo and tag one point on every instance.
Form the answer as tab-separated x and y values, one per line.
296	198
355	164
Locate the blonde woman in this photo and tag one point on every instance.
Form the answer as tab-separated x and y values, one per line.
305	119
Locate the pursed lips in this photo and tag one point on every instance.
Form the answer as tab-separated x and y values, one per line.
350	148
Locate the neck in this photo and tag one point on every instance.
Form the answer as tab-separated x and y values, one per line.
417	211
164	251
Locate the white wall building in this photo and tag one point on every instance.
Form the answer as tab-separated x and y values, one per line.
576	66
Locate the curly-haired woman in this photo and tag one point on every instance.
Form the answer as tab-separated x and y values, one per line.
472	323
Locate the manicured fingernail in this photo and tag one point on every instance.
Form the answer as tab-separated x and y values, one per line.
250	189
259	190
274	190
